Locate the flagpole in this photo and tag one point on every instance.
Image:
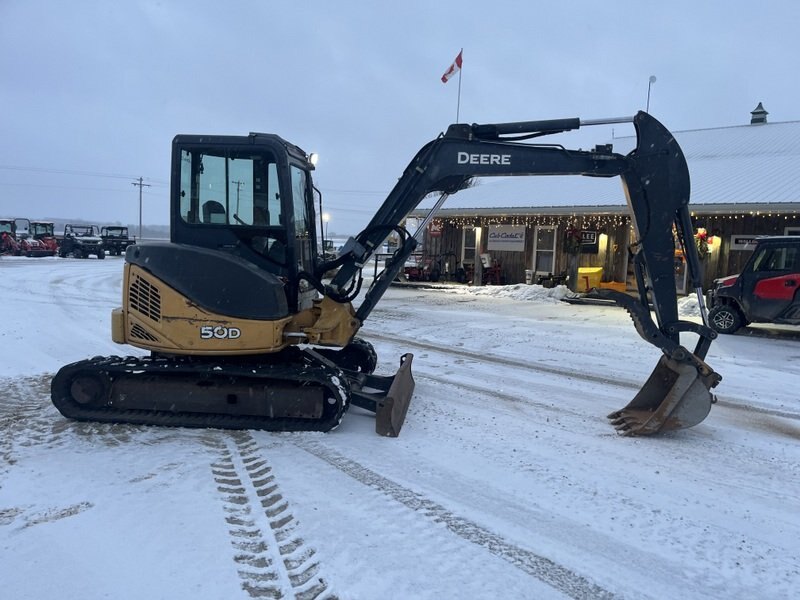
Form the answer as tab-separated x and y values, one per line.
458	104
456	66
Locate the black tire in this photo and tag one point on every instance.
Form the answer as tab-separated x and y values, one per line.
725	319
358	355
101	254
362	354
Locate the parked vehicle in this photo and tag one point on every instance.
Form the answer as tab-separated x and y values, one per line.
8	237
81	241
29	244
44	231
328	251
116	239
766	291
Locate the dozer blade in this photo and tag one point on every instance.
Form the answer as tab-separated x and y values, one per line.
387	396
391	413
675	396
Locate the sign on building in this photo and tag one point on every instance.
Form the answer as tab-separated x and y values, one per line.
506	238
589	242
435	229
743	242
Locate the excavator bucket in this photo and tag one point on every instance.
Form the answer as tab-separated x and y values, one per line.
675	396
387	396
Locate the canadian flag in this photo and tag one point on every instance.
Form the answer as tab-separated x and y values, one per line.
454	68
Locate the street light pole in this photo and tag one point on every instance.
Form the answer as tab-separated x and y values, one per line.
650	82
141	185
325	219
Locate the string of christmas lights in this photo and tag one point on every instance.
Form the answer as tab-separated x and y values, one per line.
585	221
598	221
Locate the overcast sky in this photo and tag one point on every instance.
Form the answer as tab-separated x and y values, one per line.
93	92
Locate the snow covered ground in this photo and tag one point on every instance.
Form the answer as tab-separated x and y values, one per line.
506	482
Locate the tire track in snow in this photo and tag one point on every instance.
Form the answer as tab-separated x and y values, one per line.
272	559
28	419
508	362
728	401
542	568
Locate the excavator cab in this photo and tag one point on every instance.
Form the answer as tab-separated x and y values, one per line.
239	328
250	197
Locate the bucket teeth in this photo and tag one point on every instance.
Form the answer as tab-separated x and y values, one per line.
631	422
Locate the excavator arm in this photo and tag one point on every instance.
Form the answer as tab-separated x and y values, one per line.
655	179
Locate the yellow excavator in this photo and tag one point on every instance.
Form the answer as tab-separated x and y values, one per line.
245	332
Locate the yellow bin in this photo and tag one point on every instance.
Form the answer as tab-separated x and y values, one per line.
589	277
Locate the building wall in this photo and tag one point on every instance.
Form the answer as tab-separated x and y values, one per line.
615	234
446	248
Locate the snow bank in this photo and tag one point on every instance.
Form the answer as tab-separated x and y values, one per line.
519	291
687	306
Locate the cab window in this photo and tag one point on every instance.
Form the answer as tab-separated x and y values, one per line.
231	188
778	259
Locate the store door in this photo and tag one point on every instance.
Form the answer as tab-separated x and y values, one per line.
468	250
544	250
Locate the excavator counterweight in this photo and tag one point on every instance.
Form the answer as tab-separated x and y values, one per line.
246	331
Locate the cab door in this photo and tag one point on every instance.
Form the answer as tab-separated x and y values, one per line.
304	241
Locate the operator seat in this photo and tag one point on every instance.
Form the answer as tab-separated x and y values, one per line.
213	212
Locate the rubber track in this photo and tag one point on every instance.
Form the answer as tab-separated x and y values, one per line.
115	367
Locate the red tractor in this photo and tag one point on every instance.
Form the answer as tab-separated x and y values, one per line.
36	238
8	237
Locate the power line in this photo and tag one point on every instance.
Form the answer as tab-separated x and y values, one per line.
76	187
71	172
333	207
361	192
155	182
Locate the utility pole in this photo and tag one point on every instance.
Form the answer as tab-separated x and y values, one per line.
239	185
141	185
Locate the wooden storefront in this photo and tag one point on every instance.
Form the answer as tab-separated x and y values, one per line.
458	237
452	243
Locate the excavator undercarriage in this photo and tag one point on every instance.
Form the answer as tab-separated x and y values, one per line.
295	390
246	330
